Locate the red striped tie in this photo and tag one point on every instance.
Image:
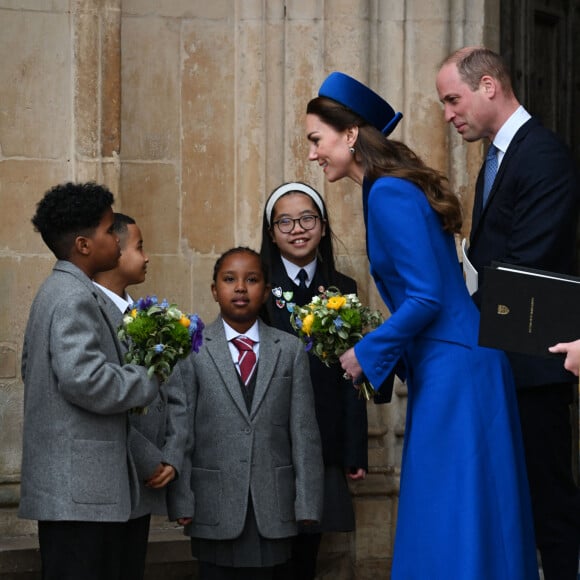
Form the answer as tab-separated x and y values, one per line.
246	357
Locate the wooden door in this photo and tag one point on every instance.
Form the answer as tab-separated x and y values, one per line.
540	40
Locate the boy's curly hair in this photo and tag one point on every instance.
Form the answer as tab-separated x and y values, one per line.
69	210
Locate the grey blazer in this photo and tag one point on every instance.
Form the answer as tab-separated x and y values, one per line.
272	452
75	460
159	436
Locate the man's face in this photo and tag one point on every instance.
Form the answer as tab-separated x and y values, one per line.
463	107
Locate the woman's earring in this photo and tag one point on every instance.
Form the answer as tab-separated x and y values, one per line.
352	150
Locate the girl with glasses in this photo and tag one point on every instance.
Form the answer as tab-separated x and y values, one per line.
297	247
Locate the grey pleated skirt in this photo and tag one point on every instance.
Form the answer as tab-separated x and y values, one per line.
249	550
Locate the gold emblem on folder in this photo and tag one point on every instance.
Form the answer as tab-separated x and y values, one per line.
502	309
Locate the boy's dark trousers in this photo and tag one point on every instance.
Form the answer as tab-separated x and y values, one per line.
136	539
87	550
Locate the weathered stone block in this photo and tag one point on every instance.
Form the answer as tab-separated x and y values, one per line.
36	87
151	88
150	195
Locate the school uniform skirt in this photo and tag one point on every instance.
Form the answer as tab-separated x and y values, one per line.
248	550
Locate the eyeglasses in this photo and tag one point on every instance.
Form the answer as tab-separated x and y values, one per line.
306	222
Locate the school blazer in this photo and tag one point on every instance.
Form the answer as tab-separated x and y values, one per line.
271	453
158	436
341	414
530	219
75	459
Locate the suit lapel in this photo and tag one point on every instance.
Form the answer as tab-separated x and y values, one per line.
219	351
478	210
269	354
113	319
70	268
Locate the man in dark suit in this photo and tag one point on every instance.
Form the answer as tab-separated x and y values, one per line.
525	212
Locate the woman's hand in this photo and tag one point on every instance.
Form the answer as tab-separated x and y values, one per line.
351	366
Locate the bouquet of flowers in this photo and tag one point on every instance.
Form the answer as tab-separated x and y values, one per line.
159	334
331	324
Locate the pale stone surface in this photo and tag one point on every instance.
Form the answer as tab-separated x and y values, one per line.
31	98
185	9
22	185
209	136
8	361
37	5
111	82
151	87
86	83
150	195
11	421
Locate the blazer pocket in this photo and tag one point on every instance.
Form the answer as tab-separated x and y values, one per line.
286	492
207	491
94	471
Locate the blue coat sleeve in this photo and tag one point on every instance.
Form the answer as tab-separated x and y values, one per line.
400	229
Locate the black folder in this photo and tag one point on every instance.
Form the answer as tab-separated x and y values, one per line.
525	310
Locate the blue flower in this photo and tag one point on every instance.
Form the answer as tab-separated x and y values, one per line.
195	331
147	302
338	322
164	304
159	348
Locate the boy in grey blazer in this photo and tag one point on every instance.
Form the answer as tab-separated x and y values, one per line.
78	478
156	438
253	468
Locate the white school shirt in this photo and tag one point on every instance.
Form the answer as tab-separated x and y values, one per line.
121	303
292	271
508	130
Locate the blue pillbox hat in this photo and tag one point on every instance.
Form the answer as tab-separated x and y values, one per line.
361	100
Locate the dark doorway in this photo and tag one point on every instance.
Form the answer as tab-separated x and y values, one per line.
540	39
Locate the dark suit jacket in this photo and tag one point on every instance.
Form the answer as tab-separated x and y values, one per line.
341	415
530	219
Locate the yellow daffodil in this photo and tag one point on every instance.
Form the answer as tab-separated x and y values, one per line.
336	302
184	321
307	323
134	313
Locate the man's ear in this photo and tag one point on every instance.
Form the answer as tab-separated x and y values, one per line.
488	84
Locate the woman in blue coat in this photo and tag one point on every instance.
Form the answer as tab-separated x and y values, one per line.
464	507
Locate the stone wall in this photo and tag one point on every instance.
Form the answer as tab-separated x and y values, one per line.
192	112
